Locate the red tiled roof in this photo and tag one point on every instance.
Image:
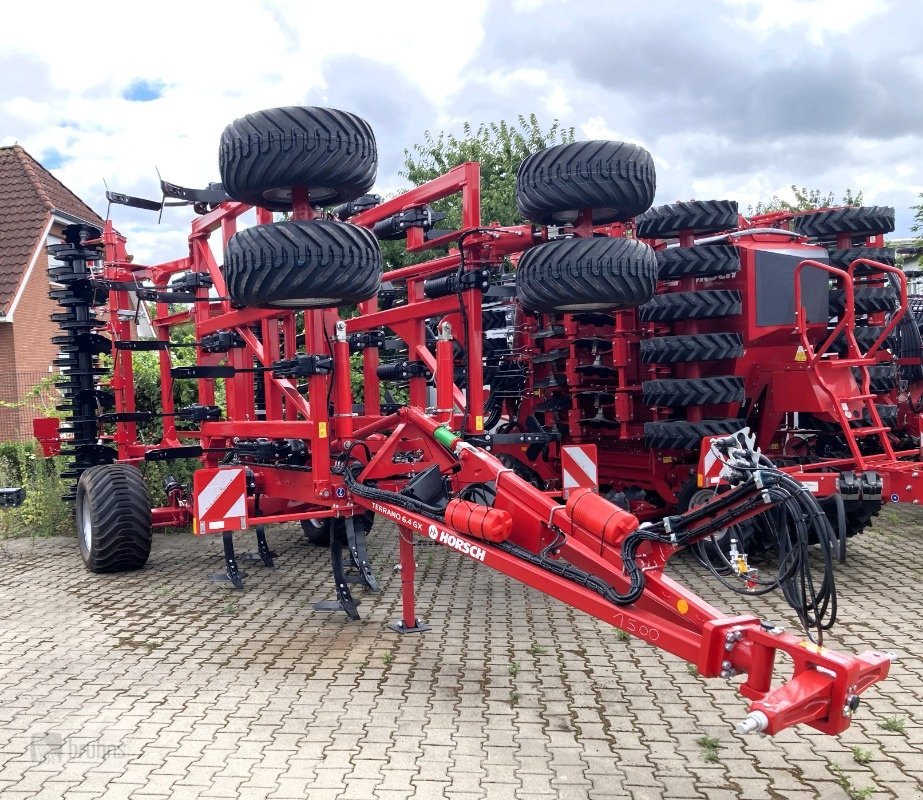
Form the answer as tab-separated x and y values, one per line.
28	195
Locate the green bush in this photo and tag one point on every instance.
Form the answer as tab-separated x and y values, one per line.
43	513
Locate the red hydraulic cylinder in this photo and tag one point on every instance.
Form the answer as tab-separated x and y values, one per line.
482	522
445	374
592	512
342	386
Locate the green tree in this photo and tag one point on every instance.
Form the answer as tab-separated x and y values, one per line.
500	148
918	221
805	200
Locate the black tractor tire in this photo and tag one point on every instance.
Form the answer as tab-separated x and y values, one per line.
678	434
697	262
495	319
320	536
882	378
859	222
682	392
331	153
677	306
113	512
887	413
860	519
699	347
843	258
868	300
697	216
597	274
307	264
866	336
615	180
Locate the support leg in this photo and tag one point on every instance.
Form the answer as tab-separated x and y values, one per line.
409	622
231	572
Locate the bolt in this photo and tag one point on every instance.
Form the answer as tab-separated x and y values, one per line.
738	635
726	665
908	487
852	703
914	474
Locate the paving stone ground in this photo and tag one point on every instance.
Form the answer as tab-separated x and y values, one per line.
159	684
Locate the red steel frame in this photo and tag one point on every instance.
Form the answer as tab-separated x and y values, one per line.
824	683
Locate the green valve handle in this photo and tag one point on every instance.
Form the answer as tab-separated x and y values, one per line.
445	437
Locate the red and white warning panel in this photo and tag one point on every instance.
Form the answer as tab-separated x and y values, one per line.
579	467
220	500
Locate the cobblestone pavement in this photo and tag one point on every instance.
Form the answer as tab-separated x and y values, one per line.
160	684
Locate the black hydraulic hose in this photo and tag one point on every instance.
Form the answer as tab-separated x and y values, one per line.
385	496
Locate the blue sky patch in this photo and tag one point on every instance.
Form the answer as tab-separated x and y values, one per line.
143	91
52	159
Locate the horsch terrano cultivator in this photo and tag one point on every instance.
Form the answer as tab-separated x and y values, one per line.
511	344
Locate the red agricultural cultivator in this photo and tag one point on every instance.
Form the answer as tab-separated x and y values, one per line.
709	375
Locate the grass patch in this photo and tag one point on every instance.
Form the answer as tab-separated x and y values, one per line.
514	698
513	669
846	784
709	745
860	755
388	658
623	636
893	724
537	650
692	669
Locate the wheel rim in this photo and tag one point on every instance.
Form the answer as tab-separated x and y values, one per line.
87	522
316	194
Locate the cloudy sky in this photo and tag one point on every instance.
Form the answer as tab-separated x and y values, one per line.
739	100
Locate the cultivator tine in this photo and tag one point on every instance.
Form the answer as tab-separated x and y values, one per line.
232	573
344	601
263	553
355	538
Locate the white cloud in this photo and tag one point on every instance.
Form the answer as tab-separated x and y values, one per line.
442	65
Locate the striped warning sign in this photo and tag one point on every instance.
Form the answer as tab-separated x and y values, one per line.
578	465
220	500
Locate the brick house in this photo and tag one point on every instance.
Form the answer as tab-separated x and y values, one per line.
34	208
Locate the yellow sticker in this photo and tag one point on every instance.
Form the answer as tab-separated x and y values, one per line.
195	526
701	480
682	606
800	355
479	423
812	648
321	430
